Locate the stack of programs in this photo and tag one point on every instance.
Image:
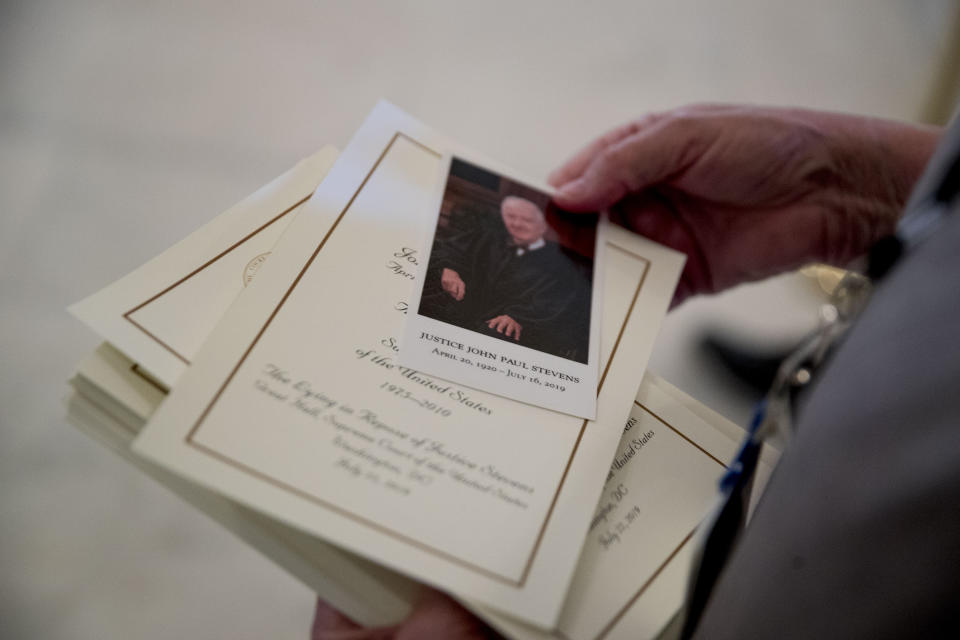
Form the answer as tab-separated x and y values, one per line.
402	365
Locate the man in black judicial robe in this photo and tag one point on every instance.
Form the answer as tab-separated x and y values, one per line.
511	283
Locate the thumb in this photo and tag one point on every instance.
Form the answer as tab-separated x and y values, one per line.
438	616
643	159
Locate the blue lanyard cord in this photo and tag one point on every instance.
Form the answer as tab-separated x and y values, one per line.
772	415
726	526
738	468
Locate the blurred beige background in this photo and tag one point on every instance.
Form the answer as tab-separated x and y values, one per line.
125	125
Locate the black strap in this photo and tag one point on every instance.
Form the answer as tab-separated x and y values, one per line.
916	224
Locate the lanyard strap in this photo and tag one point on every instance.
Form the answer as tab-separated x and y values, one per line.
722	528
918	223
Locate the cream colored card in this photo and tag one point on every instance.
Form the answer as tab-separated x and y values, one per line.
632	574
112	403
291	406
508	298
145	313
375	596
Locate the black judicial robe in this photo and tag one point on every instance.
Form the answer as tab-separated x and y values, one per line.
546	290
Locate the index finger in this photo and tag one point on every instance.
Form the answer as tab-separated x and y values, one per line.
575	166
328	622
660	152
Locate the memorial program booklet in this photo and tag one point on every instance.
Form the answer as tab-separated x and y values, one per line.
296	405
630	577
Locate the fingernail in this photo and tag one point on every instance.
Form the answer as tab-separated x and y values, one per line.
571	190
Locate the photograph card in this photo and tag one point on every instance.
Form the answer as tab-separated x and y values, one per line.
507	300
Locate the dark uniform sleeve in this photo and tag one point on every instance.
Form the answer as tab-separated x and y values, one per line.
858	533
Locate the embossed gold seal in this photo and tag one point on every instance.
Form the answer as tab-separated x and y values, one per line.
253	266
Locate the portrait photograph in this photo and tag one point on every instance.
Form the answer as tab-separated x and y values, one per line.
507	263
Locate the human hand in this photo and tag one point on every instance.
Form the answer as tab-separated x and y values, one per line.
506	325
748	192
435	616
452	283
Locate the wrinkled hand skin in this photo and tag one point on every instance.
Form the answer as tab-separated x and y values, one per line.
507	326
748	192
435	616
453	284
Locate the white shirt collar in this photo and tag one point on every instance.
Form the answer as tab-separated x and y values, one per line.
533	246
